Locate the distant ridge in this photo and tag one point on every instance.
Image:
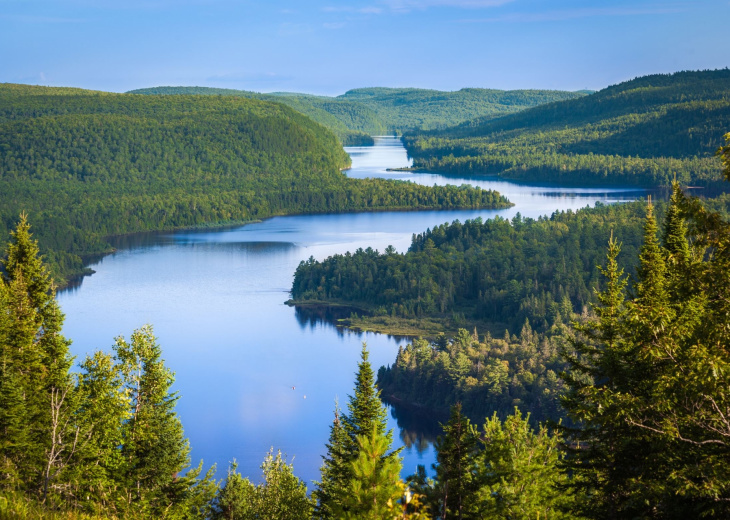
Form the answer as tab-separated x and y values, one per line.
360	113
642	131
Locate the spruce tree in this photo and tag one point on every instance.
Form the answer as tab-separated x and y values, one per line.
456	471
375	487
654	438
335	471
154	447
519	471
36	362
365	409
347	468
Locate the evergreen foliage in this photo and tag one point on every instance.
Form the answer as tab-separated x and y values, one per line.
648	382
280	496
105	441
495	273
335	472
360	113
519	472
485	375
375	485
456	472
86	165
646	131
360	476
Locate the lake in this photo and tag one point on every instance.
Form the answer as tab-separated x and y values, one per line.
251	372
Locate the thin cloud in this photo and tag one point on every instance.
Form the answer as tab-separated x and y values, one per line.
556	16
349	9
39	19
410	5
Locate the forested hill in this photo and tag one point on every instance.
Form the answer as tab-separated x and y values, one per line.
494	274
359	113
85	165
642	131
404	109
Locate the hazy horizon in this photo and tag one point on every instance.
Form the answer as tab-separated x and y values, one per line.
326	48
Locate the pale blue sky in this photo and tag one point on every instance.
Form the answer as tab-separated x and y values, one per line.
328	47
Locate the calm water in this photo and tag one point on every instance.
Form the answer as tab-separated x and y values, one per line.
253	373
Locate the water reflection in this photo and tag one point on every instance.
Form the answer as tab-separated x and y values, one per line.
418	428
315	316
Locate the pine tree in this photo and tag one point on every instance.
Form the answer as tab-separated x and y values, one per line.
521	478
154	447
375	487
36	363
366	411
335	472
456	471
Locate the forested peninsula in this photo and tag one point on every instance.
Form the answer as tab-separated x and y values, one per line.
360	113
86	165
646	131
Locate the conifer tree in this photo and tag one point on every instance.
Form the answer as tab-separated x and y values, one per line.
601	374
35	369
335	471
103	410
375	487
520	472
154	447
365	409
281	495
456	471
655	439
350	478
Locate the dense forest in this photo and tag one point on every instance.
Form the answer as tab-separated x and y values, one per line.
85	165
645	385
494	274
645	131
360	113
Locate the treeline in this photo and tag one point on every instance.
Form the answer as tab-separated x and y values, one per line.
361	113
495	273
645	131
486	375
86	165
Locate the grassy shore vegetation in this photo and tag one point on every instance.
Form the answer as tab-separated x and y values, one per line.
645	131
86	165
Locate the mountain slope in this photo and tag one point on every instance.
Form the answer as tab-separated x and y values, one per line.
372	111
642	131
86	165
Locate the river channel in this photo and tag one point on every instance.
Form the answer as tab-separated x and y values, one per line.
251	372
